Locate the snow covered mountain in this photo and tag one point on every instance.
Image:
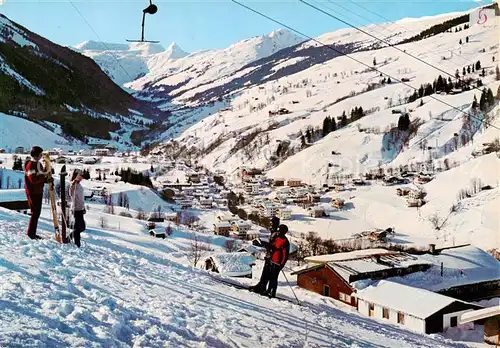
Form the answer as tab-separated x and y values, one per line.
58	88
151	70
126	62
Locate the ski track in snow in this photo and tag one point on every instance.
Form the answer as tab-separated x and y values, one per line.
110	294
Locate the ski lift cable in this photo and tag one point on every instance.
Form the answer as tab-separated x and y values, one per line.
381	40
99	38
362	63
395	23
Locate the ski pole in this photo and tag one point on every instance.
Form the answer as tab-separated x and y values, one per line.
293	292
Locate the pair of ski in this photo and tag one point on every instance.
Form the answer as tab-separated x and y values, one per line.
52	198
240	286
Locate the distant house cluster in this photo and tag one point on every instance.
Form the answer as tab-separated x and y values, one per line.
231	225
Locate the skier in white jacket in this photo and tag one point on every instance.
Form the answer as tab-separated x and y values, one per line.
77	205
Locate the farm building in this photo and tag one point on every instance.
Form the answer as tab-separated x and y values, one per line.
316	212
206	203
339	187
322	279
252	188
172	217
267	209
279	182
294	182
223	228
241	228
426	312
490	318
231	264
193	177
335	275
338	203
186	203
284	213
101	152
14	200
314	197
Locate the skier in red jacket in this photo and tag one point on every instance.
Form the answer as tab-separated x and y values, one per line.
280	252
34	179
261	286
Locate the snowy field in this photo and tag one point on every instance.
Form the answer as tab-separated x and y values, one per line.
125	288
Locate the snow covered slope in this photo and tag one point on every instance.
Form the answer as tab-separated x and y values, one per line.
17	131
125	288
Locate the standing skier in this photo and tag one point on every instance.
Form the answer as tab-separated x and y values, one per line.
280	251
77	205
261	286
34	179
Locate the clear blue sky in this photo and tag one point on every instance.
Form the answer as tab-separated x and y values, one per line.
201	24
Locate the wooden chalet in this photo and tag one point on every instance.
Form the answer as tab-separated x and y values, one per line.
333	275
223	228
279	182
294	182
316	212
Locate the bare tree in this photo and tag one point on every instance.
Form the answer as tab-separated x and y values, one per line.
141	215
197	250
435	221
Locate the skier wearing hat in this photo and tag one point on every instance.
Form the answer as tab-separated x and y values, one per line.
280	252
261	286
34	179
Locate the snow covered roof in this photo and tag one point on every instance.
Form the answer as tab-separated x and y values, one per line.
242	223
352	255
487	312
414	301
12	195
252	249
227	218
223	224
461	266
233	264
374	264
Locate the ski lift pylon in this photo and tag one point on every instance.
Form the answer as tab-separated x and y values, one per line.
151	9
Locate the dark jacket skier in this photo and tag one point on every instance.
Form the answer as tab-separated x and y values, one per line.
280	252
34	179
261	286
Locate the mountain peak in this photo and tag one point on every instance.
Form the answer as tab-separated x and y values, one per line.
174	51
